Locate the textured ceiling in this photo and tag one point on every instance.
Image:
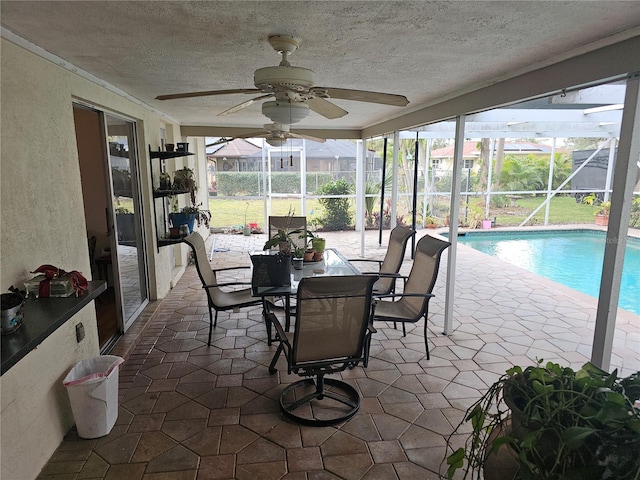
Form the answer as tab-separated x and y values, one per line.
424	50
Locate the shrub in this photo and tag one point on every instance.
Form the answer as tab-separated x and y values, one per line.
337	214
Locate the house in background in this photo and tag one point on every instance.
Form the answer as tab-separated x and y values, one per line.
442	158
334	157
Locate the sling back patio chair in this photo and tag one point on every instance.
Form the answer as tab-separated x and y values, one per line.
332	333
217	298
389	266
412	303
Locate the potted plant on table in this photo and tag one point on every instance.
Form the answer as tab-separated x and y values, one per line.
281	239
551	422
298	257
316	243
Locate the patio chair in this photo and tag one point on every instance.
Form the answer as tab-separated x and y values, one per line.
389	266
332	333
413	303
217	298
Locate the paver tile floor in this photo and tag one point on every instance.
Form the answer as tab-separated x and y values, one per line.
189	411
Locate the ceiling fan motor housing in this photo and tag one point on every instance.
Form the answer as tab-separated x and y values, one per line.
271	79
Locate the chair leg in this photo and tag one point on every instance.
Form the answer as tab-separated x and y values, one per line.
274	360
210	325
404	329
426	342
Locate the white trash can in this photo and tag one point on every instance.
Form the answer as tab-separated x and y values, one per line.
92	386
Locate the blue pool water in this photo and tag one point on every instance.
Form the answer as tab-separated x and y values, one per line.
572	258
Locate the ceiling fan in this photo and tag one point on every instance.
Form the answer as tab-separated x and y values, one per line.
275	134
294	90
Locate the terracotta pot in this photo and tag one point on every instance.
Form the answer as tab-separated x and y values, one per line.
602	220
308	255
317	256
501	465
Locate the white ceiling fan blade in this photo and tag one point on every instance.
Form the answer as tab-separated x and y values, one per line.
364	96
243	105
306	137
206	93
326	108
219	141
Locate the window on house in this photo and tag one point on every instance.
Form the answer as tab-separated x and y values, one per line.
436	163
468	163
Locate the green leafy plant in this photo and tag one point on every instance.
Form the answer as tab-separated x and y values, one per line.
634	218
554	423
122	210
603	209
337	213
202	216
298	252
283	238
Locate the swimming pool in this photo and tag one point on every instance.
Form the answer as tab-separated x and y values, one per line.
572	258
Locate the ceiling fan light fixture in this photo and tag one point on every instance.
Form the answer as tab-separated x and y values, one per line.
276	142
285	112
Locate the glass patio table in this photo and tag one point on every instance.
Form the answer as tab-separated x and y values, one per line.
332	264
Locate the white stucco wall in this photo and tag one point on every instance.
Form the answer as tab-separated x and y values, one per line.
42	221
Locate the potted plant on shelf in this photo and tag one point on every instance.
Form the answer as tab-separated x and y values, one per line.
189	215
165	181
551	422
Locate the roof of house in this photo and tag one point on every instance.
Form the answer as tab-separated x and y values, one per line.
471	149
238	147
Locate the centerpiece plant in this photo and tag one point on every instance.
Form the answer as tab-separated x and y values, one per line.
551	422
284	237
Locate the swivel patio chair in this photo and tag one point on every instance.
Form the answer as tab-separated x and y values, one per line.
217	298
332	333
413	303
389	266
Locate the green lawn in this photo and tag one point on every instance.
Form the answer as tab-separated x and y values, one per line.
230	212
564	210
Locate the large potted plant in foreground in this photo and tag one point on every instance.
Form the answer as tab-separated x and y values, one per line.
553	423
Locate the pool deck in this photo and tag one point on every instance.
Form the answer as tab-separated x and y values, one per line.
188	411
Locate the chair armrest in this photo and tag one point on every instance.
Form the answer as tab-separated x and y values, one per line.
371	329
379	262
226	284
278	326
391	275
241	267
393	295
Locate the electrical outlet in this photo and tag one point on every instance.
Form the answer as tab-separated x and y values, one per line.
79	332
